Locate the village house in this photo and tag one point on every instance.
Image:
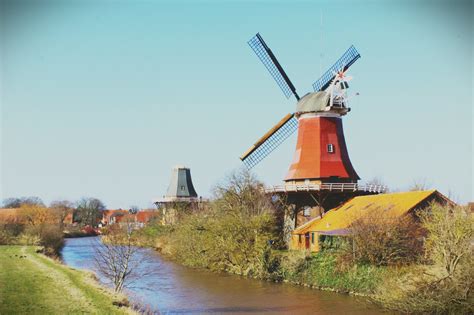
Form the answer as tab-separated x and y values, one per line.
337	222
139	219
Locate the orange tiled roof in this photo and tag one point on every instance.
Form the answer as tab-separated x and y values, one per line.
146	216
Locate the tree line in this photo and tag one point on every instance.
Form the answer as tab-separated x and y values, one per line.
28	221
86	211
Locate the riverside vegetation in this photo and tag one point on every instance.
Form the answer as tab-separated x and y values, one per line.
240	232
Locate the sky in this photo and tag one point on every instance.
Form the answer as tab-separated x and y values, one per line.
102	98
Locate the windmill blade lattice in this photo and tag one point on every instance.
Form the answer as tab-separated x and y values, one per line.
273	66
270	141
347	59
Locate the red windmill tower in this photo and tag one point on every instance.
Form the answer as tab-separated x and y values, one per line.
321	173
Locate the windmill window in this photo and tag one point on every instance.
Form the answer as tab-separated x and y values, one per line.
183	188
331	148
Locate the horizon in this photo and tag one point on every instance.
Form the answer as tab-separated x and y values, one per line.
102	99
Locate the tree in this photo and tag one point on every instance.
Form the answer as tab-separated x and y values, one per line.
44	225
376	181
89	211
242	194
36	215
116	258
233	233
420	184
450	235
61	208
18	202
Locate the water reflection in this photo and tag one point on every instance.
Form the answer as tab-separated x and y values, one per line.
174	289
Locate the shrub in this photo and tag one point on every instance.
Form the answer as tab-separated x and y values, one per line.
385	240
232	234
321	270
445	286
52	239
450	236
9	232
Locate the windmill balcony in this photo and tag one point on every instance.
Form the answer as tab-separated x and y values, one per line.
343	187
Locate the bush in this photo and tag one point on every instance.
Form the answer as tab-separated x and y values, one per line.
445	286
9	232
231	234
322	270
385	240
52	239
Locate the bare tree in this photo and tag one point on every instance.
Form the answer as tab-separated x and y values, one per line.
377	181
89	211
117	259
420	184
18	202
61	208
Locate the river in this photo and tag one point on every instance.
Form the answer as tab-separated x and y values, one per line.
174	289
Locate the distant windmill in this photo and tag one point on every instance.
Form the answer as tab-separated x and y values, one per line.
321	155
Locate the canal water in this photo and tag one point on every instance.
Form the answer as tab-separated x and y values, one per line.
174	289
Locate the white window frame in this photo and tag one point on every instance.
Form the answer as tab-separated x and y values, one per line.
330	148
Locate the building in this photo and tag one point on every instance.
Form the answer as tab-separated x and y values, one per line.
112	216
180	195
337	222
139	219
321	175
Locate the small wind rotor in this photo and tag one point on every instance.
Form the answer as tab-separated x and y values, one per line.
289	123
346	60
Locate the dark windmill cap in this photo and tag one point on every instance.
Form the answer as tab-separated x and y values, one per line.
181	184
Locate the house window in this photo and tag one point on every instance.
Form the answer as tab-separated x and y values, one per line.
312	237
299	238
330	148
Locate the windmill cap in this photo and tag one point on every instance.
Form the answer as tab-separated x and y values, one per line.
180	167
313	102
181	184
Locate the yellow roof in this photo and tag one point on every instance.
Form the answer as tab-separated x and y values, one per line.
394	204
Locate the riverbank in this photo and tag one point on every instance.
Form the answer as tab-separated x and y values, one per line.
175	289
31	283
228	243
320	271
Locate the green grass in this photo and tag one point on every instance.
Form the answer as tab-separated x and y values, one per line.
31	283
321	270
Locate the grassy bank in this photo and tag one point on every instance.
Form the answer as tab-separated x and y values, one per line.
323	271
31	283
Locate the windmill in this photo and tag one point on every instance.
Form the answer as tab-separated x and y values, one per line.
321	154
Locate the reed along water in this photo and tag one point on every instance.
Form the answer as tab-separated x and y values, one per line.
174	289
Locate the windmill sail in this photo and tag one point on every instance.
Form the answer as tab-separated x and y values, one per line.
270	141
347	59
273	66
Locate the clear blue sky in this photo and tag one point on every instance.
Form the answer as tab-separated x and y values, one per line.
102	98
